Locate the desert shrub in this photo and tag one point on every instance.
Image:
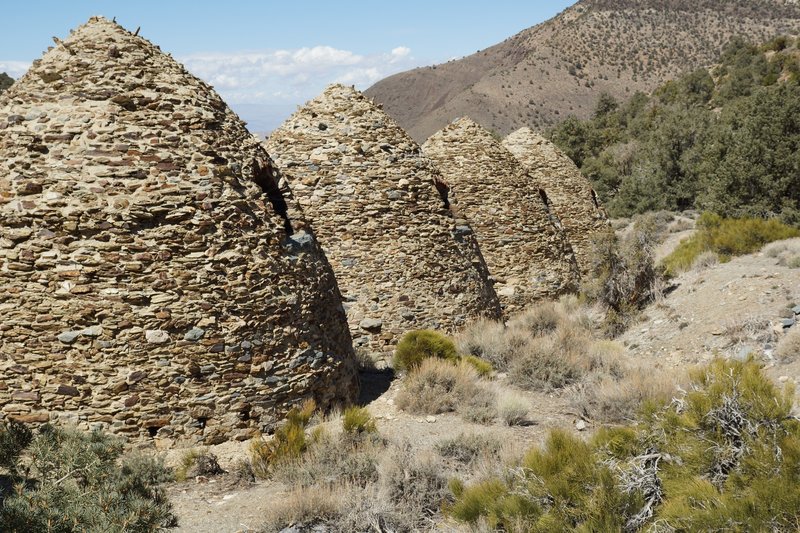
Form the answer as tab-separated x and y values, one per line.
197	462
437	386
358	420
466	448
481	366
615	399
480	408
786	252
405	494
512	409
726	237
623	276
539	320
680	225
304	508
705	260
415	483
288	442
726	456
741	330
544	365
365	360
75	481
334	459
418	345
604	357
788	348
488	340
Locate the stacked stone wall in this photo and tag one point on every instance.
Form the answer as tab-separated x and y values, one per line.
157	277
521	239
571	195
381	212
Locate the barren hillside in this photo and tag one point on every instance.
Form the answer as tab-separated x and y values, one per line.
5	81
559	67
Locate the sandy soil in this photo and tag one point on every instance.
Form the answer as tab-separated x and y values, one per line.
220	505
727	309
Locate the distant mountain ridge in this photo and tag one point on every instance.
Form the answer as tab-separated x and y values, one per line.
5	81
558	68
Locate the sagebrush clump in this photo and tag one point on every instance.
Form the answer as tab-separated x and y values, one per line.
65	480
438	386
623	274
727	238
723	457
418	345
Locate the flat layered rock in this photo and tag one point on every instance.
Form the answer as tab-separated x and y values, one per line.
522	240
382	215
157	277
571	195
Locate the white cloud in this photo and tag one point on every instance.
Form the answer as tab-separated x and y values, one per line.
265	86
401	52
15	69
288	78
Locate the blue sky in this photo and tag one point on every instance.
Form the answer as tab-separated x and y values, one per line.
267	57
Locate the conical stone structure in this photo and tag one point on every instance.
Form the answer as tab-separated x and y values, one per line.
155	278
402	261
523	242
571	195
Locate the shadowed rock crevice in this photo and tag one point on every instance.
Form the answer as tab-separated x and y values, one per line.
265	177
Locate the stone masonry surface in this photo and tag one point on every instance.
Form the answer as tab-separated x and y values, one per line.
401	259
522	241
156	275
571	195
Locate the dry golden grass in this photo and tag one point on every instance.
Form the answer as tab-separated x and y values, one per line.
438	386
304	507
610	399
788	348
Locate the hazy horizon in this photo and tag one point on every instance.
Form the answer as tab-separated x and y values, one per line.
265	59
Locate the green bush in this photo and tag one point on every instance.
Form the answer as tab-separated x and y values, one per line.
76	481
725	457
726	237
723	141
418	345
287	444
623	275
481	366
358	420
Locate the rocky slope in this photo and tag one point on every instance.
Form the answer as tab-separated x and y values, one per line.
557	68
5	81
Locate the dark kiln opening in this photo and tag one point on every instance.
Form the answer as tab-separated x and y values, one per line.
265	177
544	197
444	192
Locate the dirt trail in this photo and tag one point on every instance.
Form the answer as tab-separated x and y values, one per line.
221	506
